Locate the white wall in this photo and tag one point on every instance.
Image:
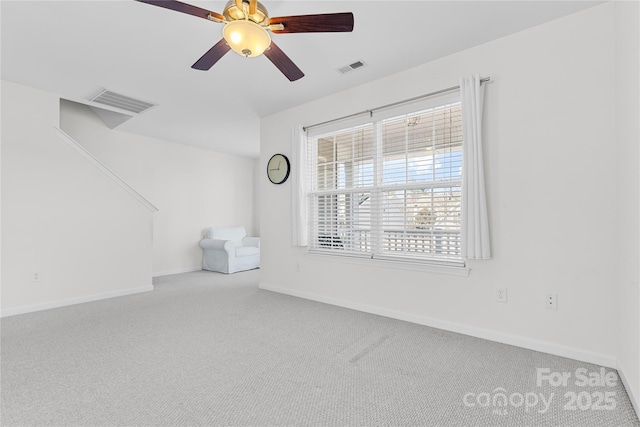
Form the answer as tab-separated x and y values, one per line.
61	217
257	175
192	187
627	127
551	178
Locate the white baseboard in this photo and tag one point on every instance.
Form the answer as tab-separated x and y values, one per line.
528	343
176	271
633	395
72	301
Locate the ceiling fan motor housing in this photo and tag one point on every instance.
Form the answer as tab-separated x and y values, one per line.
233	13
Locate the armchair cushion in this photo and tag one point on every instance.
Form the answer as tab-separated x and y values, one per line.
247	251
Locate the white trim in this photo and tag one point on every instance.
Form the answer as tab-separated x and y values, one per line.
72	301
633	397
387	263
176	271
104	169
528	343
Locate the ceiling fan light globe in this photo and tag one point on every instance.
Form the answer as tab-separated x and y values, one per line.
236	37
246	38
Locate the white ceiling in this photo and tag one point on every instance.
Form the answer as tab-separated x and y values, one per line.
78	48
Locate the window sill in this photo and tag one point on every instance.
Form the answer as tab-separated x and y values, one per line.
393	264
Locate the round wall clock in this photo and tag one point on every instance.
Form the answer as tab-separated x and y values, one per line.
278	168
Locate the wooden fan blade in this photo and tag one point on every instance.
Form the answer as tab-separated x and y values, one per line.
184	8
283	63
322	23
253	7
239	5
212	56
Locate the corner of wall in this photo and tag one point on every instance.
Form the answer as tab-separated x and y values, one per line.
627	127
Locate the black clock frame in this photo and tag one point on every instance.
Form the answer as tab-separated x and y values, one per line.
288	169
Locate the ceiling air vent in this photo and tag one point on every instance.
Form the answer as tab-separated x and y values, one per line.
112	99
351	67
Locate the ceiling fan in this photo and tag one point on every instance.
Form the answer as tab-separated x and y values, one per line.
246	31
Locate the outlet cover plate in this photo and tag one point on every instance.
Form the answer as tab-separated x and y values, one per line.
551	301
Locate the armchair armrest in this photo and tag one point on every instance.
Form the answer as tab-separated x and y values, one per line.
251	241
215	244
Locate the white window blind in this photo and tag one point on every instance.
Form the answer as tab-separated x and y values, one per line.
389	188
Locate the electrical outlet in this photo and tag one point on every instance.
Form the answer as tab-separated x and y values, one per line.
501	294
551	302
36	277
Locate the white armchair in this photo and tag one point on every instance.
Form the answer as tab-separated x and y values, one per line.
228	250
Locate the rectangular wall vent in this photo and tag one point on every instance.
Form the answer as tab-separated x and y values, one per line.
351	67
112	99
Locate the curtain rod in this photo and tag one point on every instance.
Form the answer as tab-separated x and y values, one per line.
393	104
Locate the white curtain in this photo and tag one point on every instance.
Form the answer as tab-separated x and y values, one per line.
299	218
475	222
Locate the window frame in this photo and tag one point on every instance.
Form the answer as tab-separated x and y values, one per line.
453	265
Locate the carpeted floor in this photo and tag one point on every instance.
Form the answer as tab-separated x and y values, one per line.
210	349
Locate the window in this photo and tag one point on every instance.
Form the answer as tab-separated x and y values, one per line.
389	188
